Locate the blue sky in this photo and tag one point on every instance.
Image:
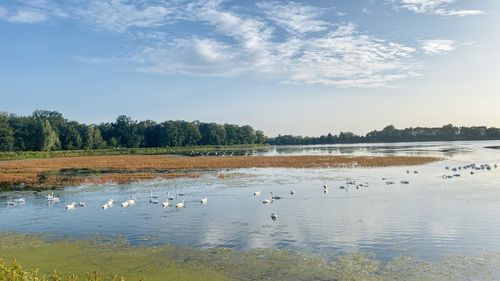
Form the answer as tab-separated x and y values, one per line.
304	67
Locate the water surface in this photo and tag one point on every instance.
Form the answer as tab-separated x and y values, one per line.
429	218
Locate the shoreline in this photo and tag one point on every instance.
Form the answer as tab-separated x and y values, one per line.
52	173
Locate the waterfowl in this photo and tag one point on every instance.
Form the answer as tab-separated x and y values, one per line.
405	182
11	203
132	201
292	192
389	182
204	200
256	193
275	197
267	201
169	197
180	204
151	195
274	216
105	206
81	204
165	204
125	204
55	200
71	206
20	201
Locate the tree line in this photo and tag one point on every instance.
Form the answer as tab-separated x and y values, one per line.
49	130
392	134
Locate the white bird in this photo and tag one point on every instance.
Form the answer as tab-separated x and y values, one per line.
50	197
267	201
180	204
132	201
71	206
168	196
256	193
55	200
110	202
292	192
105	206
151	195
204	200
125	204
275	197
81	204
11	203
165	204
20	200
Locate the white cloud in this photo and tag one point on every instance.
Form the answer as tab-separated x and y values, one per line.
118	15
342	58
27	16
438	46
285	41
293	17
434	7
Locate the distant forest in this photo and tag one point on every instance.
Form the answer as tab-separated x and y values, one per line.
49	131
391	134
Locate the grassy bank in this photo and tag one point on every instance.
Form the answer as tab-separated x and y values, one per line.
184	150
79	260
67	171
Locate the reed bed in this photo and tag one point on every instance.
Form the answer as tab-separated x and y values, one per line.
65	171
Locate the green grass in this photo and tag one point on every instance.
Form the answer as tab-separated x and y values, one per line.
184	150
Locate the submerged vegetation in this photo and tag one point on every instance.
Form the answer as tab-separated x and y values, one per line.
82	259
66	171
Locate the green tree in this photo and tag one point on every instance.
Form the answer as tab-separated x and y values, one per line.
6	133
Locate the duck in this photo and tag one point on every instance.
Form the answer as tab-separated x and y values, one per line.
274	216
204	200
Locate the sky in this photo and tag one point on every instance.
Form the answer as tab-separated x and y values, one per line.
285	67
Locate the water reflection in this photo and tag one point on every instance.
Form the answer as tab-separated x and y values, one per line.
428	218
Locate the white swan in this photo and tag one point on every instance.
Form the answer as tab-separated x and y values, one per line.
81	204
180	204
71	206
204	200
105	206
256	193
11	203
132	201
125	204
267	201
55	200
165	204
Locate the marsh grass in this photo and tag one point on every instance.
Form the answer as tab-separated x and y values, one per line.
68	171
90	260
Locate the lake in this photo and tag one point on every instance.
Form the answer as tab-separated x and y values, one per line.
428	218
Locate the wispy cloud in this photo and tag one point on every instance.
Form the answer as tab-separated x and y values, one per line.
286	41
293	17
118	16
438	46
435	7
